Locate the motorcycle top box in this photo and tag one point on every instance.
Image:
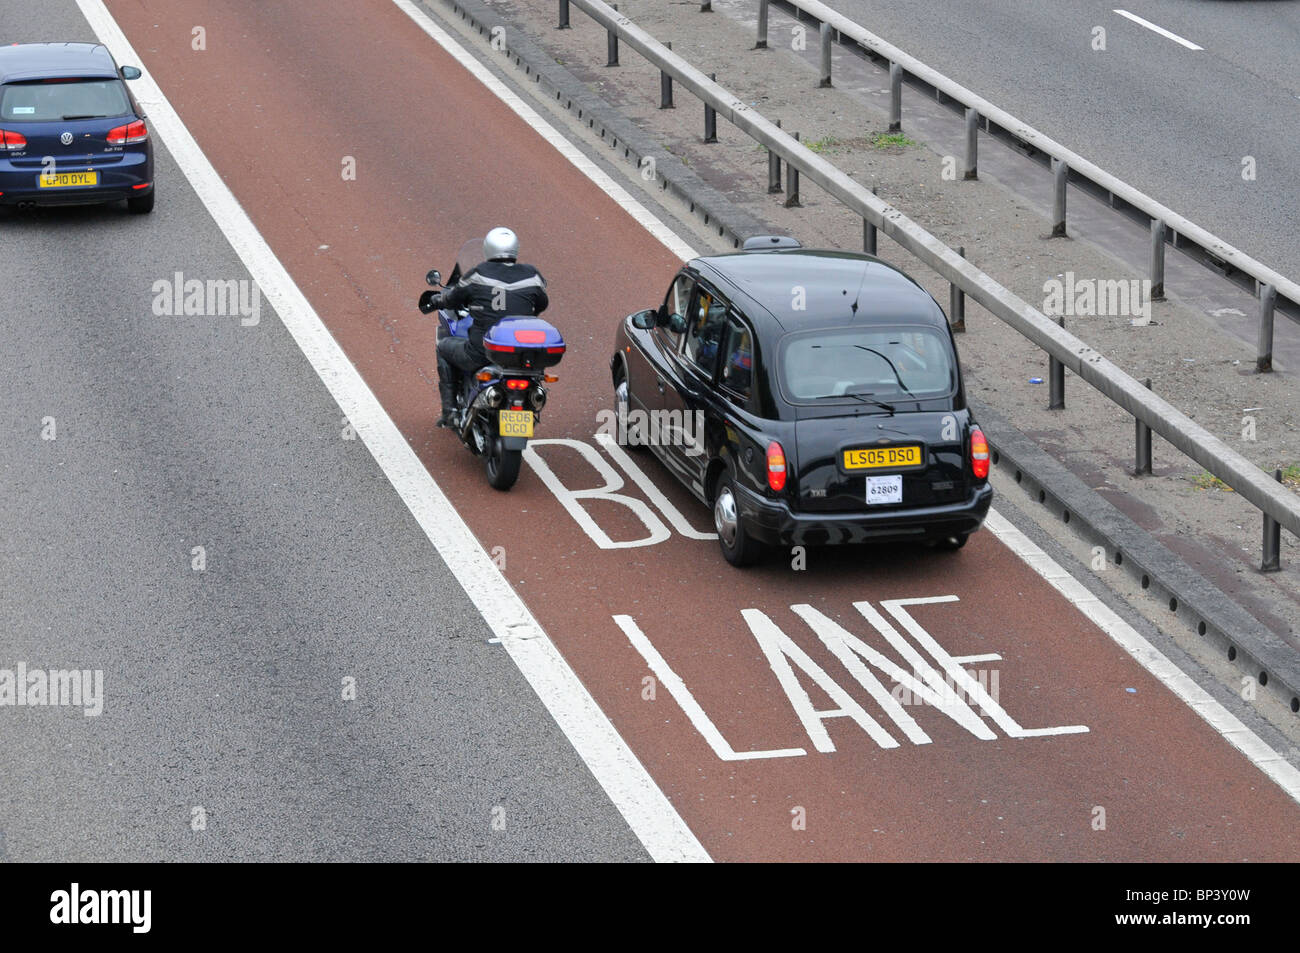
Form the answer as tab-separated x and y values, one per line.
523	343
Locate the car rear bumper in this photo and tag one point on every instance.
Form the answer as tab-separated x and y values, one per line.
116	182
773	522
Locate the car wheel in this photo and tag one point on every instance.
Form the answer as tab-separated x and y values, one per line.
622	411
956	541
143	204
738	546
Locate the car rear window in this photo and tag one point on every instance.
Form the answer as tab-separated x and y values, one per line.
62	100
887	363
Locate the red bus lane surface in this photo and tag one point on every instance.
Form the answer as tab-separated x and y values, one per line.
763	702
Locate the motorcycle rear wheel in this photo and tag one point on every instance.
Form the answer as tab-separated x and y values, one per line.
502	465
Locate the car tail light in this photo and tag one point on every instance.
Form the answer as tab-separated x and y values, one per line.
12	140
129	134
979	454
775	467
515	383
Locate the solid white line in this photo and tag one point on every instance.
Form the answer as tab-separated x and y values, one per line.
1150	658
1158	29
548	132
643	805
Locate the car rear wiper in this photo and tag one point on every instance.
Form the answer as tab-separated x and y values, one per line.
897	376
865	398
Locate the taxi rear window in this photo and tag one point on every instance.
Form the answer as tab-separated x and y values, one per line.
887	363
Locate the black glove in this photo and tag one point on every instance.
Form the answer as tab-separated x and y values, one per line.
430	302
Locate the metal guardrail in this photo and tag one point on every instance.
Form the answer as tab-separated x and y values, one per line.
1281	508
1271	288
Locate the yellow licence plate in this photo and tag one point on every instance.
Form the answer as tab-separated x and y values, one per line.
515	423
877	458
63	180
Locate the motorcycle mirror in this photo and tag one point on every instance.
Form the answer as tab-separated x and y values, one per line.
434	278
645	320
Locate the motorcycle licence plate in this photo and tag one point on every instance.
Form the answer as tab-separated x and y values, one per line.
515	423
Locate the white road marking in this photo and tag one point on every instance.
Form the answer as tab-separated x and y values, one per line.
1183	686
634	793
686	701
1150	658
1158	29
548	132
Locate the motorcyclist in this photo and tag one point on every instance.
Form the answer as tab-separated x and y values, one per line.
497	287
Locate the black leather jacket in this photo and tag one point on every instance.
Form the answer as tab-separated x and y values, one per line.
495	289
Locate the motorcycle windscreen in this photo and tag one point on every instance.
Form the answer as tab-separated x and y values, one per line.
469	257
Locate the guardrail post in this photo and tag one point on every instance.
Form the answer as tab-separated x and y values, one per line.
761	42
564	15
666	86
957	302
773	169
1143	462
792	177
710	119
612	42
1157	260
895	97
972	144
1060	174
1272	561
1056	379
869	233
1267	302
826	55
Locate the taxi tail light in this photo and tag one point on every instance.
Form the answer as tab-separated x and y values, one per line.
129	134
12	140
775	467
979	454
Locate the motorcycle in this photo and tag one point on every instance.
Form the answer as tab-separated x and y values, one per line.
498	407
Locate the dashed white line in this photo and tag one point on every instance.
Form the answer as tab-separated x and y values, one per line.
1158	29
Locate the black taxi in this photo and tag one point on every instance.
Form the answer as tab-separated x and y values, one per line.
809	397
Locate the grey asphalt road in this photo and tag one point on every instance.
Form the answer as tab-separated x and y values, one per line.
1173	122
223	688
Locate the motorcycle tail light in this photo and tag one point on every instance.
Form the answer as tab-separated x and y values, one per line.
530	337
484	375
550	378
515	383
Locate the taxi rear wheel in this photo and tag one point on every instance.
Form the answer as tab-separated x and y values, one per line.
738	546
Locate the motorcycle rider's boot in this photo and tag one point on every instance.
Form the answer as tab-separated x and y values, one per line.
447	391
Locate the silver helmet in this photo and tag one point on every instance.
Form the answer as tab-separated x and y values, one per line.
501	244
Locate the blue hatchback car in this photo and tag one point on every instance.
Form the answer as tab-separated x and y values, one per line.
70	131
